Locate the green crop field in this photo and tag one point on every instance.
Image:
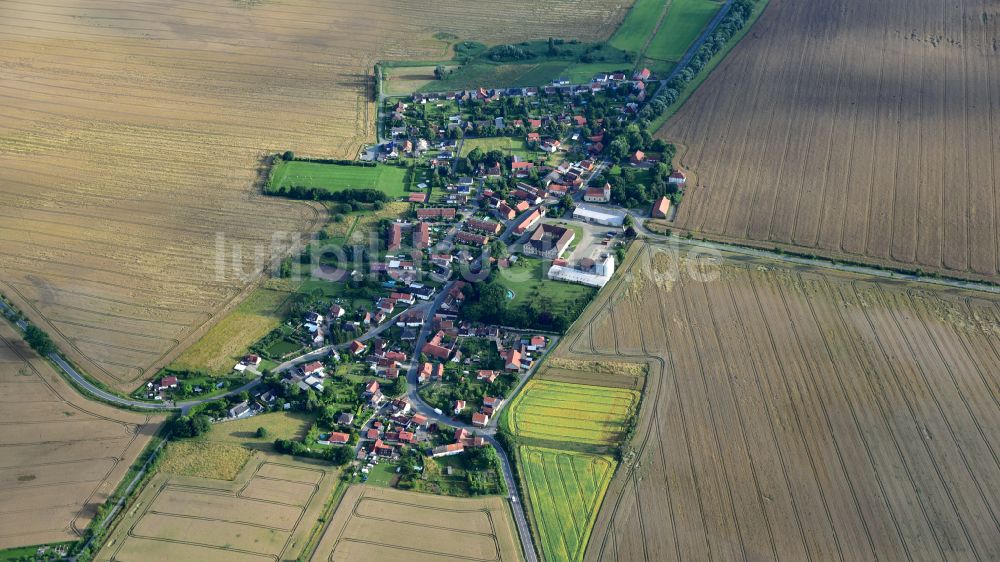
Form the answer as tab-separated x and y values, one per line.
571	412
639	24
566	490
338	177
682	25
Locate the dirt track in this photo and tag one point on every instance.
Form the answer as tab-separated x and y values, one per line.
864	130
801	414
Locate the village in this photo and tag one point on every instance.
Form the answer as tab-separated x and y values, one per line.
401	365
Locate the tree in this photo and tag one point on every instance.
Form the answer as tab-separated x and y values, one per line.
288	155
618	149
190	426
39	340
262	432
439	72
566	202
340	455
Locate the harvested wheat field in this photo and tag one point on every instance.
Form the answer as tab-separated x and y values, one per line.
799	414
60	455
385	524
266	513
856	129
132	134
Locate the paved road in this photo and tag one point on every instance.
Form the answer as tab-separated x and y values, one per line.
128	490
693	49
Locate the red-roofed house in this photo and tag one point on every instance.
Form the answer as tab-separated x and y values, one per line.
661	208
425	372
598	194
678	177
313	368
471	239
168	382
641	74
522	206
356	347
372	433
395	237
538	341
637	157
447	450
528	222
580	120
480	420
407	436
418	197
459	406
419	419
505	211
421	235
535	123
337	438
534	137
488	376
512	360
491	403
483	226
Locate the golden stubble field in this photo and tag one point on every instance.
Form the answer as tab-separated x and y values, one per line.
266	513
131	136
858	129
799	414
60	455
374	523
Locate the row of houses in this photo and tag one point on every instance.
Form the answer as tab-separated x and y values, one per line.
600	83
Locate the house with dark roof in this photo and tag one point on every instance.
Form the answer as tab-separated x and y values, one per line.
549	241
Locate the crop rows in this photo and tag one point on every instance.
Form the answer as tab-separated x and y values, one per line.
565	489
573	412
424	527
60	456
262	516
132	133
806	415
860	130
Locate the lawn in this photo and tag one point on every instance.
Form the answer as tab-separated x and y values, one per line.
566	490
358	227
526	278
219	349
279	425
383	474
487	144
639	24
337	177
682	25
576	413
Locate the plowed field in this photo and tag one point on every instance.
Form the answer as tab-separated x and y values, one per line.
60	456
131	134
856	129
800	414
